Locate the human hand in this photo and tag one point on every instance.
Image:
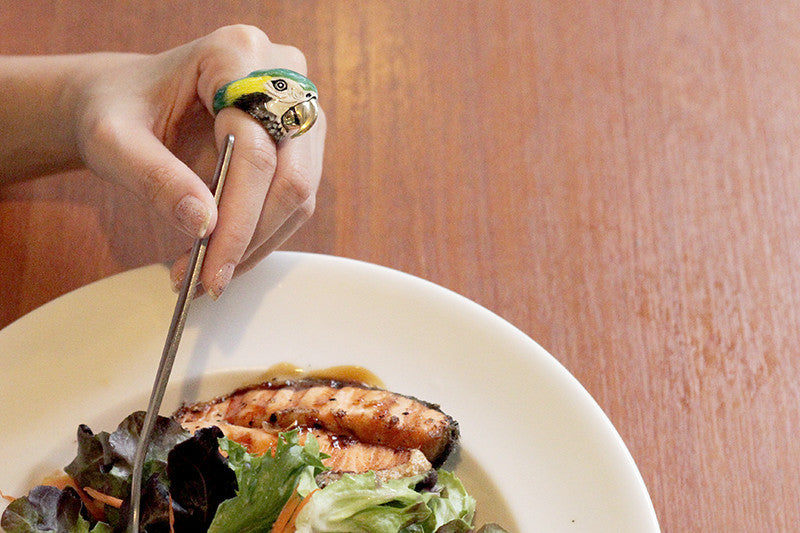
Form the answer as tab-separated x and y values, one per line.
145	122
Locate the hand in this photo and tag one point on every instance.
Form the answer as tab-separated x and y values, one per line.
145	122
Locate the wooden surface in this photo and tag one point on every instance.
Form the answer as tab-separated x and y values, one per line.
619	179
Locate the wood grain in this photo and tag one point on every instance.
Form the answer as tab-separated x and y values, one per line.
619	179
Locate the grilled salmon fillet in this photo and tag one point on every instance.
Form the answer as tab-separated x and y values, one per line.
361	427
346	455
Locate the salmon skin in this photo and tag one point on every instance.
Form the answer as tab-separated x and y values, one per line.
366	427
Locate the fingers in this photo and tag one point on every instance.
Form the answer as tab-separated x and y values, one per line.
235	51
269	193
250	174
267	185
289	227
132	156
292	224
289	203
291	198
129	118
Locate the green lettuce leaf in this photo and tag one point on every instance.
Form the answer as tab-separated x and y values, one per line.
452	509
359	503
188	479
265	483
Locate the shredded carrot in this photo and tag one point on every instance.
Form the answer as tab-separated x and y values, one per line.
292	524
59	480
111	501
6	496
285	523
286	513
171	515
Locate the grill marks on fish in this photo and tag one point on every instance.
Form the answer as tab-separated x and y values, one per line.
362	428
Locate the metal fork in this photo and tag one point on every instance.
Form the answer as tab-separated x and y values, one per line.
185	297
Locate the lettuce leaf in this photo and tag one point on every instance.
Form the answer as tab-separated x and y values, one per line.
105	460
189	480
47	509
265	482
359	503
452	509
186	478
200	479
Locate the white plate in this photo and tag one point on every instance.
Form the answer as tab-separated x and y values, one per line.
537	451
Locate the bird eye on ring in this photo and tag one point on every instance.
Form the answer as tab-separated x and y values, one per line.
280	85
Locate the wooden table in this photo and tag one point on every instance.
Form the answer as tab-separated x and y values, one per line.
618	179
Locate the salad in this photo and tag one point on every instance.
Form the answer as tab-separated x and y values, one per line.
202	480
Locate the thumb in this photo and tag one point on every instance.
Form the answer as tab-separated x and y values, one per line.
134	158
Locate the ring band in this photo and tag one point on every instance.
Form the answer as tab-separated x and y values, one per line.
281	100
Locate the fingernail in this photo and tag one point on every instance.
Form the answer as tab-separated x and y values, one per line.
177	280
221	280
178	272
193	215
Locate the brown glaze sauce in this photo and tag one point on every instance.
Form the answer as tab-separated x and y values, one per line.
344	373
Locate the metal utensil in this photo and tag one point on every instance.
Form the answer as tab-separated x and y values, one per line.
171	345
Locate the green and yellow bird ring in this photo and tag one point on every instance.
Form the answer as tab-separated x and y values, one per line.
281	100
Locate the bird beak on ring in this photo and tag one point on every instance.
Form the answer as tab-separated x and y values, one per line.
300	117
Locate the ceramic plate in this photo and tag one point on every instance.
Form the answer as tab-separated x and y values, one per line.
537	451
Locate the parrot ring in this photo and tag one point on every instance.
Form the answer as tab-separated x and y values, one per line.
281	100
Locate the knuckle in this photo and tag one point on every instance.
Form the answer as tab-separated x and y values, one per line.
296	58
261	156
295	187
238	239
306	210
225	52
219	53
97	132
103	145
156	182
242	36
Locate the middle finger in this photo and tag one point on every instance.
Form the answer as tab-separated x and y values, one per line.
251	171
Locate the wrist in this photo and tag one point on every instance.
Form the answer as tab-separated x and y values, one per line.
46	98
37	135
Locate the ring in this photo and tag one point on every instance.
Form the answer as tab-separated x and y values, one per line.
281	100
